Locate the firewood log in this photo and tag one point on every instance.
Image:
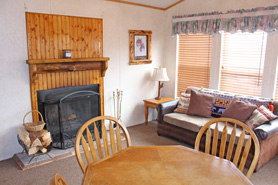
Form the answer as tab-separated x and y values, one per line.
43	150
24	136
32	137
46	139
46	143
39	134
46	136
33	150
36	142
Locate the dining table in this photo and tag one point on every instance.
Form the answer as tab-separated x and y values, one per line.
171	164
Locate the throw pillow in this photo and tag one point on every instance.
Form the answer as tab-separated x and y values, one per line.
201	104
260	116
183	103
239	110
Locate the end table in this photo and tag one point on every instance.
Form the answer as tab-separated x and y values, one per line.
152	103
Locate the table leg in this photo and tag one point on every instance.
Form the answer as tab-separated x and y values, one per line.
146	114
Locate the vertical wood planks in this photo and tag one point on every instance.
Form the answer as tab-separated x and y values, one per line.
49	34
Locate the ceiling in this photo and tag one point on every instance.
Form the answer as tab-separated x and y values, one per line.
156	4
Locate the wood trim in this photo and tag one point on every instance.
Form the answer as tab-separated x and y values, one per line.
57	65
174	4
132	58
146	6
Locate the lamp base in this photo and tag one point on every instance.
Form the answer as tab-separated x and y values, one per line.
158	98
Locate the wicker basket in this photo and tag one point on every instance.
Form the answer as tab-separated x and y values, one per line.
34	126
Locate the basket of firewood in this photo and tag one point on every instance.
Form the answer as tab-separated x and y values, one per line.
34	126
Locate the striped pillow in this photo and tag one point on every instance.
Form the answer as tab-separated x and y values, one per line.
260	116
183	103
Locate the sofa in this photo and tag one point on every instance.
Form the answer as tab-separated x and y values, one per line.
184	127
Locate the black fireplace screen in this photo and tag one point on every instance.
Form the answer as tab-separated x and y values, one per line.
66	112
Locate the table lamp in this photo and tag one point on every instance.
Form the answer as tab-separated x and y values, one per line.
160	75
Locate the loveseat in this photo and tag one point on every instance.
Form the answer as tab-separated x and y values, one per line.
184	127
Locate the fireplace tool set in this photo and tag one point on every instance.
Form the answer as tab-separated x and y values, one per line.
118	98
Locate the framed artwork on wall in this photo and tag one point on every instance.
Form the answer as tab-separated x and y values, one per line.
140	47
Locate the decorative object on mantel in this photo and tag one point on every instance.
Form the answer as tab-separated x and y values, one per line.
160	74
118	98
265	19
66	53
140	47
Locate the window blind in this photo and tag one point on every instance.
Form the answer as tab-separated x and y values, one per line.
243	57
193	61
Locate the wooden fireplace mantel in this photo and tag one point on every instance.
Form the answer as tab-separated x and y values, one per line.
67	65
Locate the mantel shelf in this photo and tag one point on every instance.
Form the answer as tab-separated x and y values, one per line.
67	65
65	60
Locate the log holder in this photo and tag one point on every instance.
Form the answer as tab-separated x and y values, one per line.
49	147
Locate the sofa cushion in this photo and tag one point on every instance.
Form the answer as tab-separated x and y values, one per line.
183	103
201	104
189	122
223	99
239	110
260	116
195	123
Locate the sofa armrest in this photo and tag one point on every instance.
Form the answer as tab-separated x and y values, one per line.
266	130
275	106
166	107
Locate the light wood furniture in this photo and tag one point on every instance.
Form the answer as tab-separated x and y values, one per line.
220	149
58	180
47	36
152	103
84	136
163	165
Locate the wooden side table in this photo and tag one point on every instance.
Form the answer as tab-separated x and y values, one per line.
152	103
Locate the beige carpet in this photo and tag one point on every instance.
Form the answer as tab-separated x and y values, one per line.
11	174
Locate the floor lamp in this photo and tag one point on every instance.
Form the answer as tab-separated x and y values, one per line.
160	75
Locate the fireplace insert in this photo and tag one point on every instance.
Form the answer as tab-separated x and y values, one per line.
65	110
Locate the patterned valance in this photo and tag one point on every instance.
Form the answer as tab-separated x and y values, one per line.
211	23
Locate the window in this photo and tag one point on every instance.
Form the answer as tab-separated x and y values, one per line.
193	61
243	57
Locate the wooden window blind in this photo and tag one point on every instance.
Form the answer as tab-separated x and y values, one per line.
243	57
193	61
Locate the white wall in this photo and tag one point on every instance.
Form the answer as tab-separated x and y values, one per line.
200	6
117	19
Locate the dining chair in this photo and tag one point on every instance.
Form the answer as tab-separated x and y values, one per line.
58	180
89	132
232	143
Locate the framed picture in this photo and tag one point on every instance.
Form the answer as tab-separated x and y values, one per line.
140	47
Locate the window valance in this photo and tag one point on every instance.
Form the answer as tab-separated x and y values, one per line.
211	23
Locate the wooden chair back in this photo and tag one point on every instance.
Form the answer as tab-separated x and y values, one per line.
85	136
58	180
243	144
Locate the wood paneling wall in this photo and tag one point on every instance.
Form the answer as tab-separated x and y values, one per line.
48	35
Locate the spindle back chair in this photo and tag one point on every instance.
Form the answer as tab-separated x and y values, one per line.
240	136
89	132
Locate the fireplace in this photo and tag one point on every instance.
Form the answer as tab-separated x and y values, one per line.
66	109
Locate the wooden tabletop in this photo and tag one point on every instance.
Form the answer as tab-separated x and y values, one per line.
163	165
154	101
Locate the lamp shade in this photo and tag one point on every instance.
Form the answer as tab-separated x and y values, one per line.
160	74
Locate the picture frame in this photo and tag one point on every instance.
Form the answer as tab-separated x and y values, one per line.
140	47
